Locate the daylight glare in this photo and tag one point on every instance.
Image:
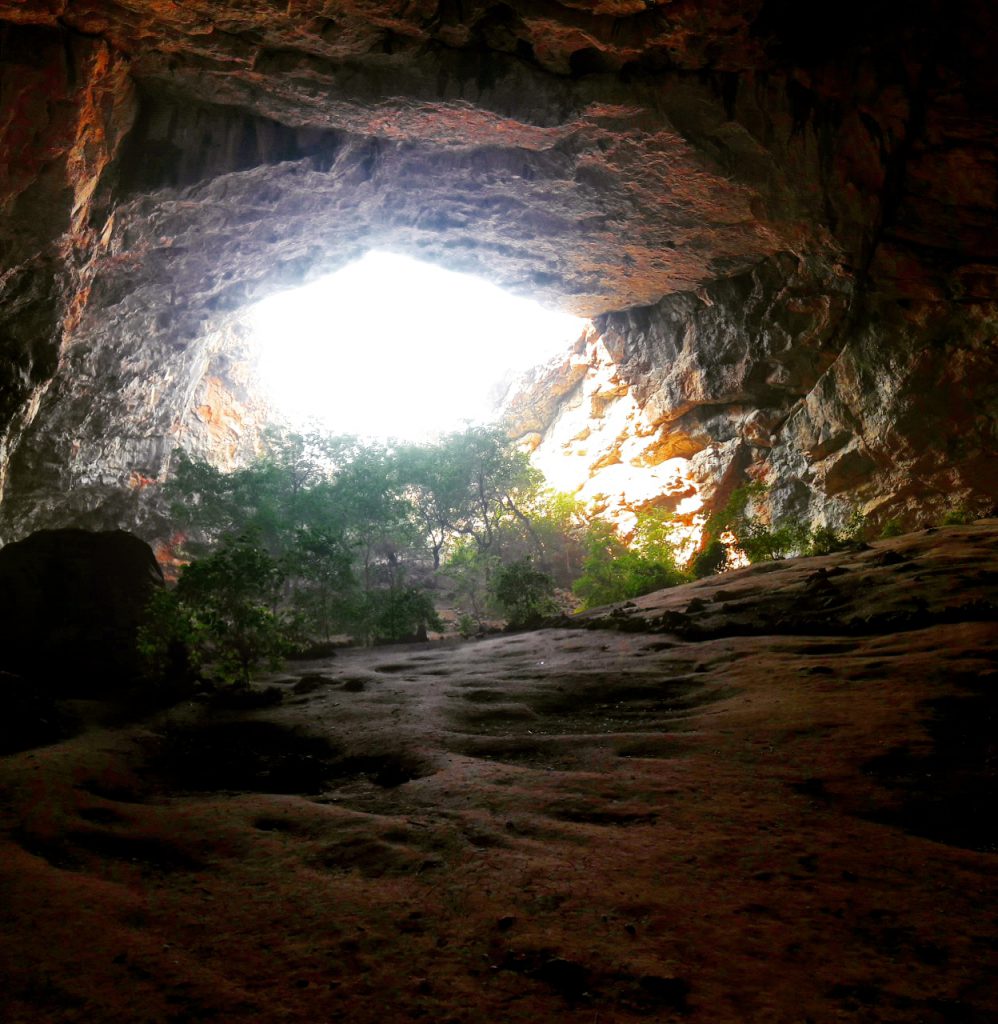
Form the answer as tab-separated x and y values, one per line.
391	347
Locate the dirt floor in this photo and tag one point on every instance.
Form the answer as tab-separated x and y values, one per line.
769	796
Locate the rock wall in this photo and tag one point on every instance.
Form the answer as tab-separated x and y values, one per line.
67	104
782	375
783	219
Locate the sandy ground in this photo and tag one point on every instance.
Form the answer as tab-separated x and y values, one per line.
769	796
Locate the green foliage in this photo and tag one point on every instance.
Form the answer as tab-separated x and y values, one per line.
764	542
958	515
469	569
558	525
891	528
710	561
231	597
613	572
523	593
319	568
473	484
466	626
357	530
397	613
223	612
166	640
761	542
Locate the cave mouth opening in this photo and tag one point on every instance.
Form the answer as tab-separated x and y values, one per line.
391	347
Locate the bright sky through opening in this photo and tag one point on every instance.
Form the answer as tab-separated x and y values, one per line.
390	347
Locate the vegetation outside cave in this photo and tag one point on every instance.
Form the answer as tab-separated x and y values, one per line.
329	537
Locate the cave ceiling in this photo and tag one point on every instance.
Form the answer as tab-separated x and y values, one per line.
168	163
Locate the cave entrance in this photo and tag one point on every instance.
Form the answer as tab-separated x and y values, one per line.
392	347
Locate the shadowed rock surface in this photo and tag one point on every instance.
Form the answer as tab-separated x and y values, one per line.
741	813
71	602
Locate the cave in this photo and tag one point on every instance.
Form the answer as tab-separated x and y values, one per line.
763	797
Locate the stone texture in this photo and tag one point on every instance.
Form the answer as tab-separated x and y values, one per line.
794	819
768	376
823	177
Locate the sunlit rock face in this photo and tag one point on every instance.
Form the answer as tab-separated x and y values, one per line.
769	376
784	219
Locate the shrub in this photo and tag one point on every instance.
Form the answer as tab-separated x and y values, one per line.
613	572
891	528
959	515
469	571
166	641
713	559
824	540
525	595
402	613
763	542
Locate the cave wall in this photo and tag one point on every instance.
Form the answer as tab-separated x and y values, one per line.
782	220
782	375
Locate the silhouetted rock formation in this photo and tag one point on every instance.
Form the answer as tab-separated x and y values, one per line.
70	604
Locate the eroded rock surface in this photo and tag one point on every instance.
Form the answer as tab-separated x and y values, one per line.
771	376
780	816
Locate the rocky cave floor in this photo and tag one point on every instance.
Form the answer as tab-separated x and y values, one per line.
768	796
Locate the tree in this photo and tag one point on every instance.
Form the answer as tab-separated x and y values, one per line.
469	571
469	483
711	559
401	613
560	523
319	569
768	541
359	529
224	610
523	593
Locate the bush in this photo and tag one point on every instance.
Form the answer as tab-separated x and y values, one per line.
763	542
402	613
469	571
712	560
466	626
223	612
613	572
891	528
166	641
525	595
760	542
959	515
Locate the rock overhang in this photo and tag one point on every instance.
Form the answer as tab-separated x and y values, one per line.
189	159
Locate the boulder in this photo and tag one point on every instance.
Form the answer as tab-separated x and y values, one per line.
71	602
